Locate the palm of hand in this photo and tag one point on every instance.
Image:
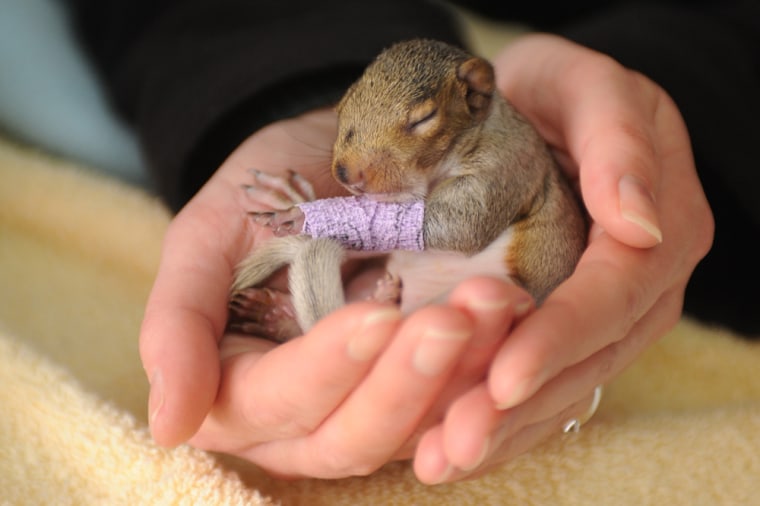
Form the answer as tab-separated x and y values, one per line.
344	405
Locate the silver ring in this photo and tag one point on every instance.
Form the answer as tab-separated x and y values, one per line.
574	425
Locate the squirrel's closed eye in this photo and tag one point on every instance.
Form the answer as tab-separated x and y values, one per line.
421	119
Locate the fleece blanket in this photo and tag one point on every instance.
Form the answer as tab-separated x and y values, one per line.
78	253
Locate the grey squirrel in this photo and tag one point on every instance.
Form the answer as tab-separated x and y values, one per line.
424	122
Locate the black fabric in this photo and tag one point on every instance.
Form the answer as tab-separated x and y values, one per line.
723	288
196	77
708	60
183	71
709	64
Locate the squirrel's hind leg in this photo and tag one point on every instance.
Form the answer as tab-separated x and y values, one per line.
263	312
388	289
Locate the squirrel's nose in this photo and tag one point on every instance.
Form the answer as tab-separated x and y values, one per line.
350	178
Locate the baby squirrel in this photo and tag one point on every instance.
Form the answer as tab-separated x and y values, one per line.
425	122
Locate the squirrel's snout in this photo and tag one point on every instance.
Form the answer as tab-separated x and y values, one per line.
353	180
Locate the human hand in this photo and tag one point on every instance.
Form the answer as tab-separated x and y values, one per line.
622	140
325	404
187	309
355	392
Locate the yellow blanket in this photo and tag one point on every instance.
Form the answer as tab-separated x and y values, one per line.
77	256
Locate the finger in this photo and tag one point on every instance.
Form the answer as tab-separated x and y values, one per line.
466	438
473	423
381	414
613	286
434	468
430	464
612	138
186	311
493	306
603	115
618	284
465	433
310	375
510	388
473	426
185	314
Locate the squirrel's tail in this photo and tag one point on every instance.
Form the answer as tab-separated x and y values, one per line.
314	278
271	256
315	281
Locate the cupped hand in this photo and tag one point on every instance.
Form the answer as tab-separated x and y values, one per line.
621	138
349	396
186	312
355	392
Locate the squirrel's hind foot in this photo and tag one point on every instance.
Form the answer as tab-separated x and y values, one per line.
264	313
388	289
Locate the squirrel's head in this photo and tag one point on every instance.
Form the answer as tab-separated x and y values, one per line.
400	120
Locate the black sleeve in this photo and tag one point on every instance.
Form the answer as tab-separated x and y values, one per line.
707	57
196	77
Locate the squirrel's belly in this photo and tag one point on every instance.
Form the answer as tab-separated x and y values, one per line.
430	275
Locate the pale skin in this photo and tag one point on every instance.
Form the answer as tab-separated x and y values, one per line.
464	385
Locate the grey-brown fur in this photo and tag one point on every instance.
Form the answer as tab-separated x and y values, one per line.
426	121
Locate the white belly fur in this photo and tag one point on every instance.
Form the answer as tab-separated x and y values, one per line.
429	276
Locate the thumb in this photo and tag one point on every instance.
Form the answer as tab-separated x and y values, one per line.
184	316
618	190
601	118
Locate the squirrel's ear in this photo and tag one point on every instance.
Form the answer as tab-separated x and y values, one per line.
478	76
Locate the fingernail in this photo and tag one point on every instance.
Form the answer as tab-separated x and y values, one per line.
156	397
487	304
484	451
370	339
522	308
436	350
637	205
519	393
444	476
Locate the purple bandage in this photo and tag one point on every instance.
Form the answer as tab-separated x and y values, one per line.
360	223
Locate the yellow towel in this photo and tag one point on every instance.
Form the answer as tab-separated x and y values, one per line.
77	256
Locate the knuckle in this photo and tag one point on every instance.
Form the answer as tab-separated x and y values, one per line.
670	307
705	234
636	296
278	417
607	364
259	419
625	293
646	87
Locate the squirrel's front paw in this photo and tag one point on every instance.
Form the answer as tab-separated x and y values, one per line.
282	193
278	192
287	222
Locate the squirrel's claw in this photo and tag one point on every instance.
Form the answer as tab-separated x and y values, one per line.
283	191
282	223
262	218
